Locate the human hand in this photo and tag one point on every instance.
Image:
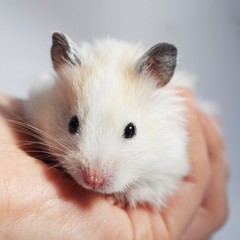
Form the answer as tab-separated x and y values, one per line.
38	202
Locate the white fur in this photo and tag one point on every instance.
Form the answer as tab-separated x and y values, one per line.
106	94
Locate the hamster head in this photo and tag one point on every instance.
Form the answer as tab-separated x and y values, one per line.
107	113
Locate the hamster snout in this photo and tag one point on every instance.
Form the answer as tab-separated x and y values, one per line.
93	178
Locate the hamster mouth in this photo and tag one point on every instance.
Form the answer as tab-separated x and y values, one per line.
99	188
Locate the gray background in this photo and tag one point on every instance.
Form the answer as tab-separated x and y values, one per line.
207	34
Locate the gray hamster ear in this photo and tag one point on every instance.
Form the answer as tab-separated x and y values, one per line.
159	62
63	51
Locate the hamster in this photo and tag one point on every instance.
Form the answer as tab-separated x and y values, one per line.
112	119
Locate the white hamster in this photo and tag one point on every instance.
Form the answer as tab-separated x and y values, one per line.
110	120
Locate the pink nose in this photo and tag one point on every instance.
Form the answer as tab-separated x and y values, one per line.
93	178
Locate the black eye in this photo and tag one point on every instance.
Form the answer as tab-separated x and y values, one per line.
129	131
73	124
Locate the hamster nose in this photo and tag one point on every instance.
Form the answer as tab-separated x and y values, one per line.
93	178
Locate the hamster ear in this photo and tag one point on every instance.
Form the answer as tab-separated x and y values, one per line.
63	51
159	62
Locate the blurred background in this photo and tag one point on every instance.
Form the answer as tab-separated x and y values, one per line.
207	34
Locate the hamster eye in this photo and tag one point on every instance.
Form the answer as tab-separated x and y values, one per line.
73	124
129	131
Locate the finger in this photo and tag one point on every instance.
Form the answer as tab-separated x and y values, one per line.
183	205
140	223
211	215
147	224
215	201
196	136
215	142
214	210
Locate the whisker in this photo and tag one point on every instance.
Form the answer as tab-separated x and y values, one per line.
43	145
37	133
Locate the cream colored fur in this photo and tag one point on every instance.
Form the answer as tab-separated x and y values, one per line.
106	93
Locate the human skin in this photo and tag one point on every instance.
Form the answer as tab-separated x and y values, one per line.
40	202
